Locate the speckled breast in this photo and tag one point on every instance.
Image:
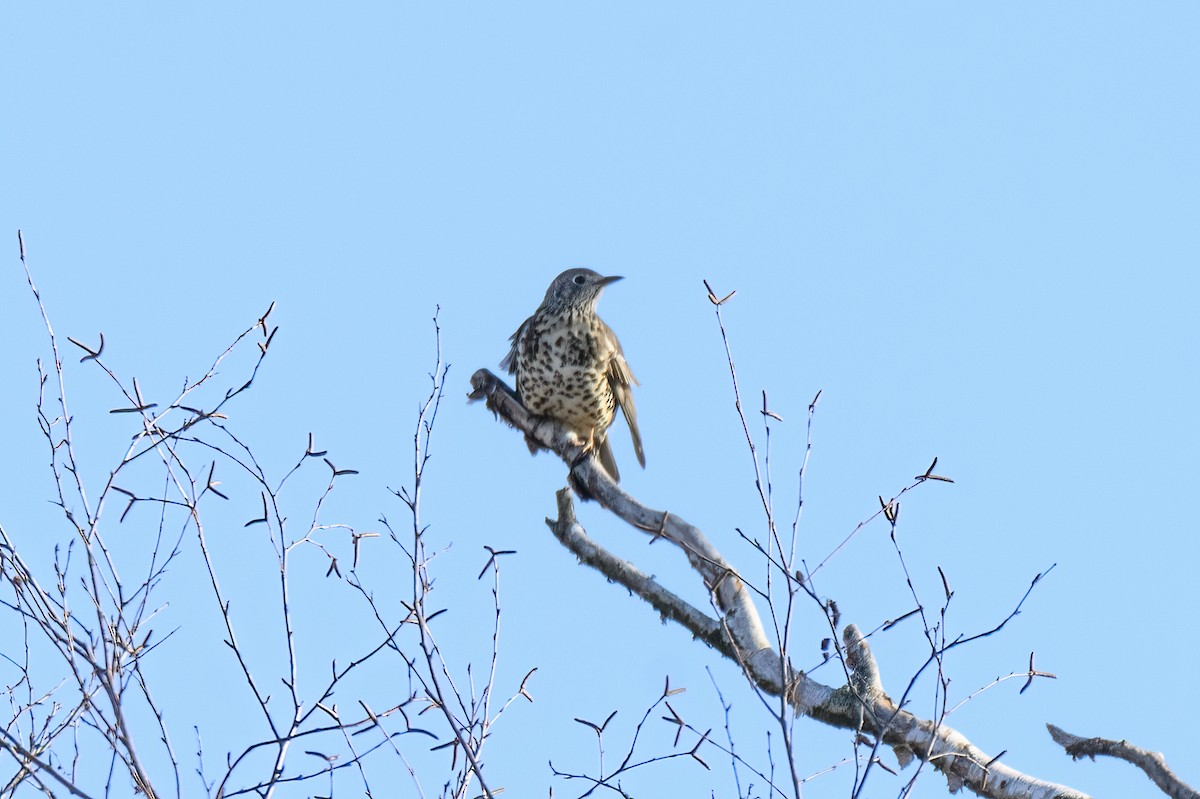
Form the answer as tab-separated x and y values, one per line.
562	372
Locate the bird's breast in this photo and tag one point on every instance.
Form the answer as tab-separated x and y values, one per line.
562	372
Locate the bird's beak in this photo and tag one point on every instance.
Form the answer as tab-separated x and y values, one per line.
604	281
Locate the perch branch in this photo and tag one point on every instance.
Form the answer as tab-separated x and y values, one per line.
859	705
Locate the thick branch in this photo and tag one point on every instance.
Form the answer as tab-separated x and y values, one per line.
1153	763
860	705
570	533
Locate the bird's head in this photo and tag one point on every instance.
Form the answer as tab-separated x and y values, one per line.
577	287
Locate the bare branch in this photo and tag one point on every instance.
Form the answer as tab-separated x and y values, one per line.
1153	763
854	706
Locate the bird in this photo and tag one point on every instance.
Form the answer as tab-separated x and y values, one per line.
569	365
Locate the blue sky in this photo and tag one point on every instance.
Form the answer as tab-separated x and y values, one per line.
972	226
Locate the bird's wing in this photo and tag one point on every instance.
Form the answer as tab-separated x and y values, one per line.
621	379
608	461
509	361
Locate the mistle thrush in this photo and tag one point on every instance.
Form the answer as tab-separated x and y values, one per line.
569	365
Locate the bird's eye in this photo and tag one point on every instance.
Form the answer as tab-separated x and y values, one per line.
580	280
